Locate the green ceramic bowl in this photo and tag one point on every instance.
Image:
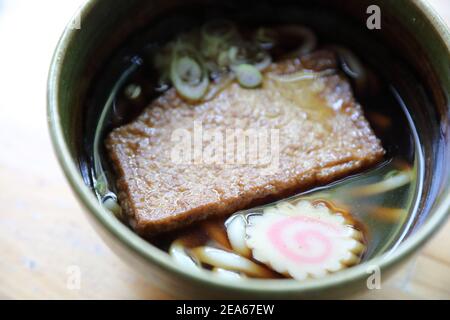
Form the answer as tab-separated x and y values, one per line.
409	27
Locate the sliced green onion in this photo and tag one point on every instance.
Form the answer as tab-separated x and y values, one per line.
237	55
188	70
245	55
133	91
188	74
248	76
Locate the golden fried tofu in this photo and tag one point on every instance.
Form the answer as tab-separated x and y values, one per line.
181	162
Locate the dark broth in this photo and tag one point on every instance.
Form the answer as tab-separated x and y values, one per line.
385	216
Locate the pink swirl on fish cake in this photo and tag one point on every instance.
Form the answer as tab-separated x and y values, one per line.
304	238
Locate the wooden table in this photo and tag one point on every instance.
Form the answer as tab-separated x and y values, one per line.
42	229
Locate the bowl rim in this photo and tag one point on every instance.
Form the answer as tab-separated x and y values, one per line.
159	258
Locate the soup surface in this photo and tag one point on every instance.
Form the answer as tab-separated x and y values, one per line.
359	216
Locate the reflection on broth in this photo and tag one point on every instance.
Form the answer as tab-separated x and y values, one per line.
344	212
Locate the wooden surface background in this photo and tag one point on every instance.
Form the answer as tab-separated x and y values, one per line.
43	232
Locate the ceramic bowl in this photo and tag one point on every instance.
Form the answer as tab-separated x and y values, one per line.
410	28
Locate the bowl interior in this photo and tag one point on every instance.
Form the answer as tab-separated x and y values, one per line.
408	31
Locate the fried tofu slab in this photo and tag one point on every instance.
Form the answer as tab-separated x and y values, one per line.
170	176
